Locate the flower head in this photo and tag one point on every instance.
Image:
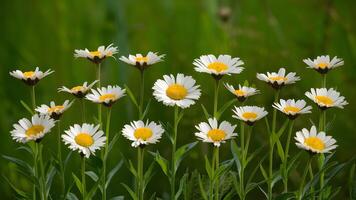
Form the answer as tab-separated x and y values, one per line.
34	130
224	64
85	138
142	62
53	110
96	56
326	98
180	91
292	108
279	79
141	133
106	95
243	92
323	64
214	133
249	114
78	91
314	141
31	77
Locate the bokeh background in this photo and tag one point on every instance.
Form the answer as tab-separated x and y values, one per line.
266	35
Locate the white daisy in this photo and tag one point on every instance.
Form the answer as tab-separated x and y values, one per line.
31	77
243	92
326	98
249	114
323	64
54	111
314	141
292	108
224	64
86	138
141	133
180	91
98	55
26	130
277	80
78	91
214	133
142	62
106	95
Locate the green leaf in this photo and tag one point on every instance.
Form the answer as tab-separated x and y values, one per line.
92	175
162	162
180	116
224	107
71	196
78	183
17	190
285	196
267	125
181	185
146	109
202	189
118	198
95	162
92	191
236	154
223	169
352	182
182	152
132	97
148	174
112	143
283	128
27	107
208	167
280	149
206	113
263	171
235	181
132	193
49	179
26	167
113	172
132	168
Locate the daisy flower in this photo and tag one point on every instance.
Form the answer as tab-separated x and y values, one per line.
31	77
292	108
106	95
249	114
142	134
314	141
323	64
180	91
53	110
277	80
243	92
78	91
96	56
214	133
26	130
86	138
142	62
326	98
224	64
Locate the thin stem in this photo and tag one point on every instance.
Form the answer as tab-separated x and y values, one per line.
82	103
142	89
286	154
59	154
42	174
83	178
35	167
216	152
33	97
300	194
140	159
311	176
324	81
98	77
242	172
173	169
216	94
107	134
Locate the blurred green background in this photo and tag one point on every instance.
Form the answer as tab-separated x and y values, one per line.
265	34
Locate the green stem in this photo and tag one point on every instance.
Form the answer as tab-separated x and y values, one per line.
59	154
242	172
216	94
324	81
216	152
286	154
107	134
35	168
33	97
140	159
173	169
42	174
83	178
300	194
98	77
142	89
311	176
82	103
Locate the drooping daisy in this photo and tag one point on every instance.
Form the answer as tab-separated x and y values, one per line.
323	64
314	141
141	133
292	108
249	114
106	95
78	91
86	138
224	64
26	130
243	92
98	55
277	80
142	62
326	98
214	133
53	110
180	91
31	77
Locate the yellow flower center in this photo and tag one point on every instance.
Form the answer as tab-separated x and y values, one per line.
249	115
322	65
84	139
95	53
277	78
77	88
324	100
176	92
240	93
34	130
107	97
218	66
143	133
28	74
314	143
55	108
142	59
292	109
216	135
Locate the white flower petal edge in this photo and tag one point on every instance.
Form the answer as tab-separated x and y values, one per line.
141	133
242	91
150	59
53	108
314	141
86	138
212	132
106	95
78	90
223	64
324	62
292	107
279	78
249	113
101	52
31	75
326	98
